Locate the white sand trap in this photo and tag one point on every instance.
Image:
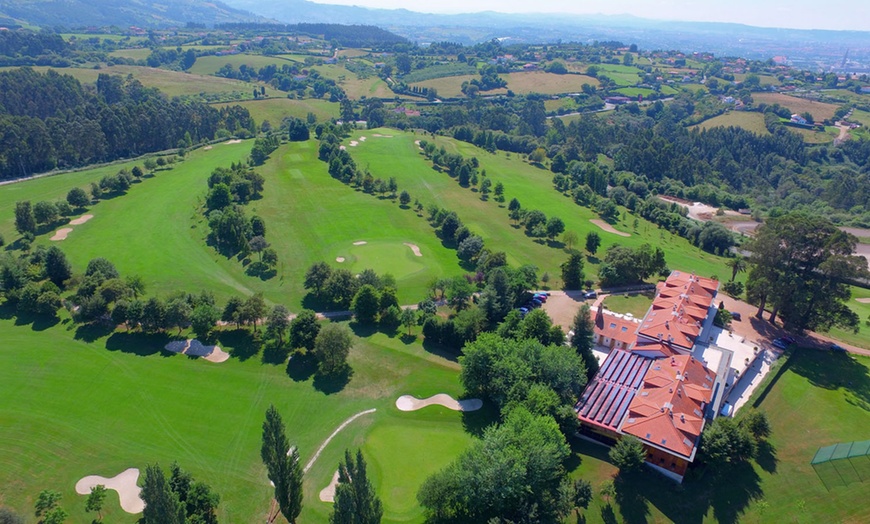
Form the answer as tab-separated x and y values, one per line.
327	494
195	348
389	136
410	403
207	148
342	148
863	300
339	259
417	143
230	142
124	483
61	233
607	227
362	139
80	220
414	248
360	243
353	143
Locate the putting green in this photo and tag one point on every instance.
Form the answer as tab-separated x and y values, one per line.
403	451
384	257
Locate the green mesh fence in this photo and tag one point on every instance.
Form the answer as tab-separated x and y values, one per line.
843	463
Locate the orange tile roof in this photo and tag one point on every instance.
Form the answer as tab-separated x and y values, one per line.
615	327
677	314
668	410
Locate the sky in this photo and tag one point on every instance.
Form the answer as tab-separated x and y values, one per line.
797	14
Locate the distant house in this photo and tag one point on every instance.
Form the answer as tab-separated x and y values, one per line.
797	119
617	100
655	384
865	89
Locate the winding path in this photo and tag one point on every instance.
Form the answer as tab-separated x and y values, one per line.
334	433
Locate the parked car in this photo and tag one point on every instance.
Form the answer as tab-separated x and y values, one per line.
523	311
788	340
540	296
736	316
780	343
535	303
590	294
837	347
726	410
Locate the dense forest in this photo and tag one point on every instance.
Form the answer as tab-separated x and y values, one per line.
51	121
343	35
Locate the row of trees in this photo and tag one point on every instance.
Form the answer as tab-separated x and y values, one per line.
50	121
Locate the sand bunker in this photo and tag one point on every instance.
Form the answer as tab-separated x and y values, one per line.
327	494
389	136
339	259
207	148
195	348
353	143
607	227
863	300
229	142
61	233
342	148
124	483
414	248
80	220
362	139
410	403
360	243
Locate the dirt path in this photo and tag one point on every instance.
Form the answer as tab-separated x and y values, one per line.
334	433
607	227
414	248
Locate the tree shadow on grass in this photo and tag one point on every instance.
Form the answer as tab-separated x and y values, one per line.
474	422
315	303
607	514
440	350
274	354
334	382
93	331
301	366
36	322
242	344
834	370
766	456
632	505
408	339
141	344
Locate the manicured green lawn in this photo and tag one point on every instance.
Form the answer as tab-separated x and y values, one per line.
74	408
275	110
398	156
637	304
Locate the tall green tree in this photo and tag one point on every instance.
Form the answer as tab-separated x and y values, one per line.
331	347
278	322
161	503
304	329
283	465
583	339
628	454
801	264
57	267
25	222
572	272
593	241
366	304
96	499
355	499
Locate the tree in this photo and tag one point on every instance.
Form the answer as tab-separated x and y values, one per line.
514	469
570	239
555	227
257	245
756	422
366	304
408	319
458	293
46	502
355	499
269	257
7	516
628	454
278	322
203	320
102	267
304	329
800	265
232	311
253	309
469	248
737	265
404	198
57	267
178	312
78	198
572	271
316	277
593	242
283	465
331	347
96	499
725	443
161	503
24	219
583	339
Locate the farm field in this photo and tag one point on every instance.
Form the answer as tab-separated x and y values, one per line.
750	121
172	83
765	80
819	110
450	86
209	65
547	83
621	75
817	137
133	54
109	403
276	109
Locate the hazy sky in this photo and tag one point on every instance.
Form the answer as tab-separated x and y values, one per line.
801	14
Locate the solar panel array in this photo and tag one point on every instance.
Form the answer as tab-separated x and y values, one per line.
606	399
